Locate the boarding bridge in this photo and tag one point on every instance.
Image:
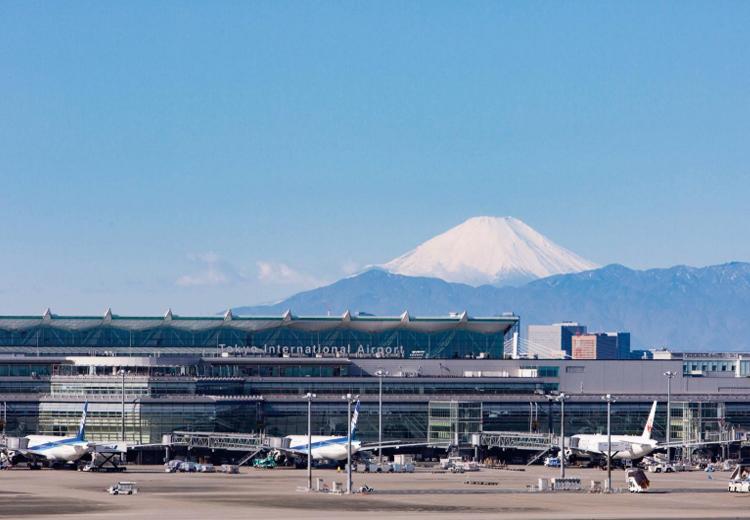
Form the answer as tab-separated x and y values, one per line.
224	441
515	440
13	443
541	443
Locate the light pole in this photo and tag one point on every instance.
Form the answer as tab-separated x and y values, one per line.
609	400
531	416
349	399
562	398
309	397
669	375
381	374
122	403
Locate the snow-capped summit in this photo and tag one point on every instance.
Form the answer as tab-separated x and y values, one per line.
489	250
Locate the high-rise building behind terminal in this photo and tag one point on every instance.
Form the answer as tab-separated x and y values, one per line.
555	338
594	346
623	343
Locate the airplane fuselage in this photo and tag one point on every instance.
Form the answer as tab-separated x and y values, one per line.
323	447
624	447
58	449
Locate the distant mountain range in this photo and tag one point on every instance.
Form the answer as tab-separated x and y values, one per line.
475	265
682	307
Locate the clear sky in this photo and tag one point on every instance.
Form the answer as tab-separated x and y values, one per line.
197	155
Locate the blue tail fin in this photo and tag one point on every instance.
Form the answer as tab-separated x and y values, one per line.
81	435
355	416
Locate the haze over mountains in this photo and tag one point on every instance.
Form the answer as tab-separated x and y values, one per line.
684	308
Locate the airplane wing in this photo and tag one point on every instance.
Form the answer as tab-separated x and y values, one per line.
682	444
400	444
108	447
285	450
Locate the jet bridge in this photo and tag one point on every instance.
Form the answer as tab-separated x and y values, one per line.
224	441
250	443
13	443
541	443
516	440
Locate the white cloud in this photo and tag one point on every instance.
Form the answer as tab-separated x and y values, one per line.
279	273
214	272
350	267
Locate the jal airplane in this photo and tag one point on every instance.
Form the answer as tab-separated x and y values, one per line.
624	447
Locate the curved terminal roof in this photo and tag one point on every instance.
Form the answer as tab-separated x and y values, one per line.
364	323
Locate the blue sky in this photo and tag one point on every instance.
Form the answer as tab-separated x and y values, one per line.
197	155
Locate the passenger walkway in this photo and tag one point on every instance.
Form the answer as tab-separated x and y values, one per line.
516	440
224	441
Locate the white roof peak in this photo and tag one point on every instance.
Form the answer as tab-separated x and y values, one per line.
168	315
108	314
228	315
47	314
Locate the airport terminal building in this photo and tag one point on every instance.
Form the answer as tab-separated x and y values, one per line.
152	375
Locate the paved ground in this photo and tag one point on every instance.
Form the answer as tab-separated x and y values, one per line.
273	494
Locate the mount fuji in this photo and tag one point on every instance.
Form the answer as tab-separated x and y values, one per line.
683	307
489	250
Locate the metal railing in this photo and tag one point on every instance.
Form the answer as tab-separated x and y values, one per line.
516	440
224	441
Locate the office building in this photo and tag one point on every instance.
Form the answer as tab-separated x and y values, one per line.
551	340
594	346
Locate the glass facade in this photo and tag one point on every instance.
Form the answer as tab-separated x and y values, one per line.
402	421
416	338
24	369
469	386
449	344
454	422
145	422
713	365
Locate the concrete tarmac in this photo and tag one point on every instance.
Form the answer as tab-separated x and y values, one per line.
256	493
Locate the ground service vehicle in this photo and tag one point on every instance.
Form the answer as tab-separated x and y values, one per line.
123	488
739	481
637	480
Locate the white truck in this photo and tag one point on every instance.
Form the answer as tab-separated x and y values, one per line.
123	488
661	467
739	481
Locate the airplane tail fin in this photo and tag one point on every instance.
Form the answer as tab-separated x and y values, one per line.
355	417
649	422
81	435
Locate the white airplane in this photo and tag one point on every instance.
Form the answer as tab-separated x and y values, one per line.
334	448
624	447
326	447
62	450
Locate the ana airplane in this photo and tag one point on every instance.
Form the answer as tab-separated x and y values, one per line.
327	447
57	450
334	448
624	447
